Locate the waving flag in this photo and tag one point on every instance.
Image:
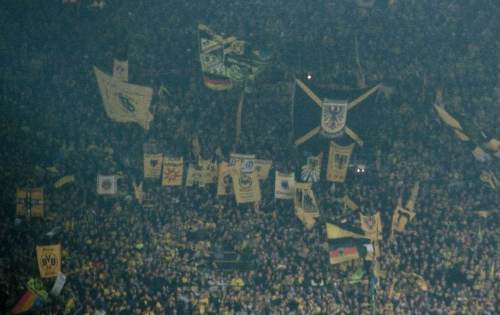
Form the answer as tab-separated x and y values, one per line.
125	102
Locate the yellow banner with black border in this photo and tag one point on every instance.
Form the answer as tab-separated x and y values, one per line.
338	162
49	260
172	173
246	185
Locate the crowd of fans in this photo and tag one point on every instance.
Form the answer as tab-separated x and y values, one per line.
163	256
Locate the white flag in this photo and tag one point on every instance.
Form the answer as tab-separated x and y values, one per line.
106	184
125	102
120	70
284	186
58	285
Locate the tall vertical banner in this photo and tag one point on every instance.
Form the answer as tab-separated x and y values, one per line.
173	169
152	165
245	184
401	216
30	202
194	175
311	171
212	59
120	70
284	185
125	102
225	180
306	207
338	162
49	260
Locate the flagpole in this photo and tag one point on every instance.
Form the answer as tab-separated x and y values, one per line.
238	117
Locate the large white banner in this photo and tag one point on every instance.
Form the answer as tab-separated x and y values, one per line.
125	102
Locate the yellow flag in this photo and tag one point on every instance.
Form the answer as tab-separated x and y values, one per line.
371	225
410	204
419	280
480	155
447	118
400	218
263	167
120	70
225	180
209	171
246	185
461	135
489	178
338	162
49	260
306	218
349	203
306	207
64	180
152	165
194	175
493	144
138	192
29	202
333	231
172	173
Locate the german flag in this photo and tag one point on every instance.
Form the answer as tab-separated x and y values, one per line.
347	249
217	83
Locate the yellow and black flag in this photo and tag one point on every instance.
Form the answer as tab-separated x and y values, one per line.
245	185
348	203
49	260
371	225
172	173
338	162
306	207
324	110
225	180
400	218
30	202
152	165
346	244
